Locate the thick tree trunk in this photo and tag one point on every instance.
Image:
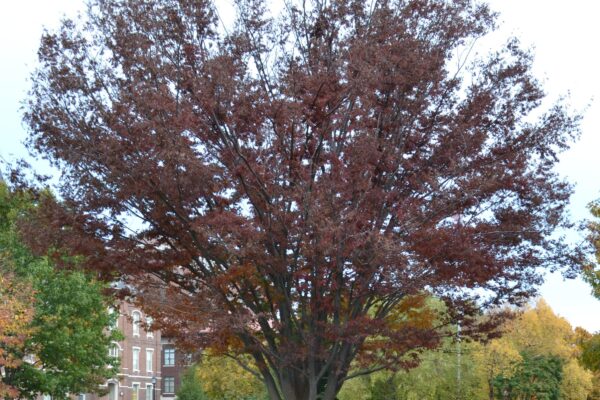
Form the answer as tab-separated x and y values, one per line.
293	385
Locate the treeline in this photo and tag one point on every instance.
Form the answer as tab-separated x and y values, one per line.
539	356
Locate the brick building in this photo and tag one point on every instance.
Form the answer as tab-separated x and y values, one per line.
150	364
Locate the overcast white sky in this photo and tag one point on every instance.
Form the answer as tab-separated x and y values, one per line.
564	33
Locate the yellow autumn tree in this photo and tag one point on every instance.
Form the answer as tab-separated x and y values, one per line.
577	382
539	331
224	379
499	357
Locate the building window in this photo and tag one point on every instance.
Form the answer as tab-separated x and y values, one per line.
136	317
113	351
149	357
114	315
169	384
149	393
112	391
46	397
169	360
149	332
136	358
135	391
81	396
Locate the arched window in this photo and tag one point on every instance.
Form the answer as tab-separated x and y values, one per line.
136	317
112	391
114	350
149	332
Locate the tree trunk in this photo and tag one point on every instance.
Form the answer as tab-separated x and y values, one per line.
294	385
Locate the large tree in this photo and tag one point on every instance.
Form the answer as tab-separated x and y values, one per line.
297	184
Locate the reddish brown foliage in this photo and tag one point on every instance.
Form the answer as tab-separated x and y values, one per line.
282	189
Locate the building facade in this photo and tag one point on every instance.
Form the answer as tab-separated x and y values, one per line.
151	366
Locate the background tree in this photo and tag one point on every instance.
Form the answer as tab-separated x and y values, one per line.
577	382
15	316
290	180
527	347
191	388
443	374
589	346
590	352
538	332
500	357
592	272
223	378
68	341
535	378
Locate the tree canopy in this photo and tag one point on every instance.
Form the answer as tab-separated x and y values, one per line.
297	183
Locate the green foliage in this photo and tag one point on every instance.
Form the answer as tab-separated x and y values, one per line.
443	374
538	332
191	388
589	357
68	346
592	273
537	356
590	353
384	389
536	378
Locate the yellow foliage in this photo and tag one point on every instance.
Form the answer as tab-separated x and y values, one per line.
539	331
577	382
414	311
356	389
499	357
223	378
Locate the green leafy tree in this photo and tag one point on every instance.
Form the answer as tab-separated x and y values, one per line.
67	350
384	388
590	353
449	373
536	378
592	272
191	388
